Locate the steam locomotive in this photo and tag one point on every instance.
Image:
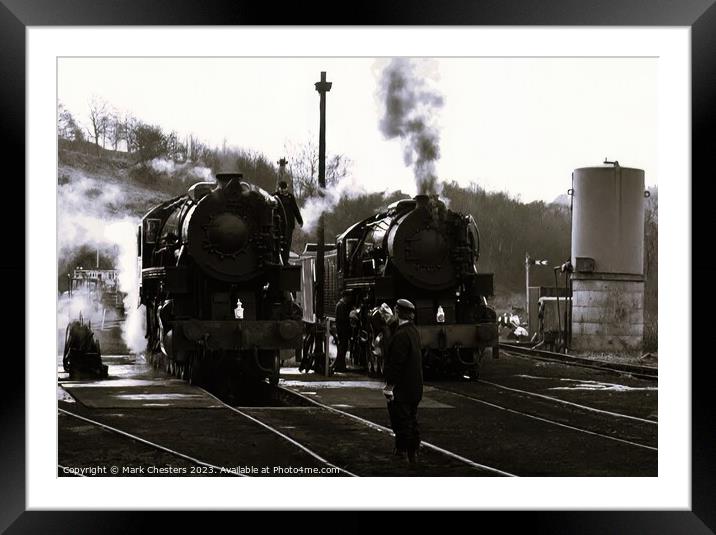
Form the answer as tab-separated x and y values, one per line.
216	293
418	249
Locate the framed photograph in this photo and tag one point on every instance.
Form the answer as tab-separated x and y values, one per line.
181	170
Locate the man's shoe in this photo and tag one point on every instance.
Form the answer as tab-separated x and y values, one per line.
413	456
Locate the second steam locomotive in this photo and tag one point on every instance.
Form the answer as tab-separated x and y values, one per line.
213	283
416	249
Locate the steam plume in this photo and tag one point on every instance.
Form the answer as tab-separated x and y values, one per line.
409	109
315	206
185	171
90	214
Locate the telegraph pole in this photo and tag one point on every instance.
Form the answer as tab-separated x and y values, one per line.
528	263
322	87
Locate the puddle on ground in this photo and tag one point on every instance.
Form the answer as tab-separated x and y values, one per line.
600	386
586	384
63	395
141	397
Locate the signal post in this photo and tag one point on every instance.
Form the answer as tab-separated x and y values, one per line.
321	347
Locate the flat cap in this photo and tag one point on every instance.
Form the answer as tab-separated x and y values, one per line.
404	303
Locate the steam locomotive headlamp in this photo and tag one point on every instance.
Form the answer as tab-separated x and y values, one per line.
440	316
239	310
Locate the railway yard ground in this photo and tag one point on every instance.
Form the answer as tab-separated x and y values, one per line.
522	417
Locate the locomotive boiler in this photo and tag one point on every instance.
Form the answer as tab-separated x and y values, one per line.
420	250
217	295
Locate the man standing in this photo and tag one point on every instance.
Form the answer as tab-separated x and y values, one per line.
404	381
343	329
293	215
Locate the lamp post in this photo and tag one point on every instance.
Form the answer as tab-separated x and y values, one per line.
321	350
529	261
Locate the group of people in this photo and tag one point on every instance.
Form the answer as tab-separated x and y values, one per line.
402	366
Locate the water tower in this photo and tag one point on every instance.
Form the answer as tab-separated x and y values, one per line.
608	258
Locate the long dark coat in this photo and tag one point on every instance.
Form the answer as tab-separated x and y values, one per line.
404	363
290	207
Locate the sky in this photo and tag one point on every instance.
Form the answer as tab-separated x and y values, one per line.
519	125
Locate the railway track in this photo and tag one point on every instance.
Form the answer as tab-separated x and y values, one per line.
215	469
571	403
377	427
642	372
302	430
144	441
282	435
550	421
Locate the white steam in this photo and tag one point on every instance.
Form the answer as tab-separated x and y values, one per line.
203	172
90	215
162	165
70	309
315	206
183	171
123	233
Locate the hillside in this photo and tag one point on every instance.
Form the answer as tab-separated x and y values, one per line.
99	190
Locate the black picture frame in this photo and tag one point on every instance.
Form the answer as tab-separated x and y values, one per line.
16	15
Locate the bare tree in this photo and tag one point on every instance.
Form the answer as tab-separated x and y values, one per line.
67	127
115	130
303	168
175	149
98	119
129	129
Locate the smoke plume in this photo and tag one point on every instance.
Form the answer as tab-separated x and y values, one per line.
91	215
410	108
313	208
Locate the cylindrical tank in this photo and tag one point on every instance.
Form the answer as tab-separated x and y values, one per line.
608	259
608	218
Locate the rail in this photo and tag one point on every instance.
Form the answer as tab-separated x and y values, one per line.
642	372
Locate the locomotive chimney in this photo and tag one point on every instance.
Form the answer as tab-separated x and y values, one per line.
422	200
224	177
